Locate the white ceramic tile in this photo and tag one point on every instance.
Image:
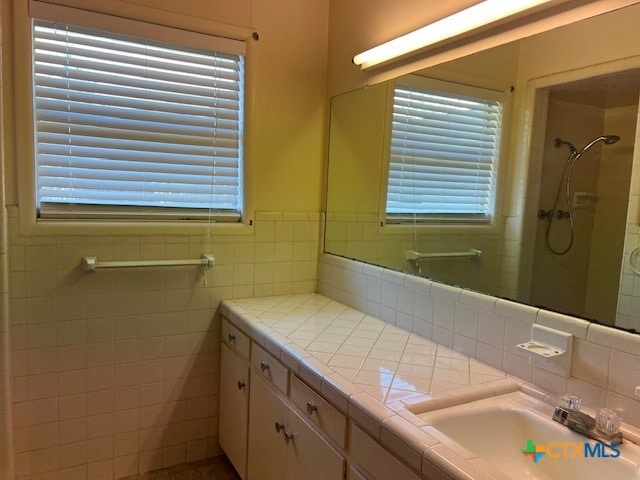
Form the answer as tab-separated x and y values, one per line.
625	406
517	366
516	311
590	362
443	313
442	336
418	284
612	338
592	395
466	320
478	300
445	292
624	375
491	328
549	381
465	345
516	332
564	323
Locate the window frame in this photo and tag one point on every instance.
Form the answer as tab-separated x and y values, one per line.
166	29
403	224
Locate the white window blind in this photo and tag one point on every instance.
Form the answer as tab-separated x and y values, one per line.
444	150
128	127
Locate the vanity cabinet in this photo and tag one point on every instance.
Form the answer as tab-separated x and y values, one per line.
273	426
267	447
377	462
234	401
282	445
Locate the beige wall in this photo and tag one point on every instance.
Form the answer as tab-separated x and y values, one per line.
289	74
116	373
610	217
356	149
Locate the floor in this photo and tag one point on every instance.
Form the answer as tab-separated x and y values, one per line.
218	468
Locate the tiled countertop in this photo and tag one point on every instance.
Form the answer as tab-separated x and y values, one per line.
376	373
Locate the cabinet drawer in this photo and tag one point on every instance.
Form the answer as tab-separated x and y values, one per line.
373	458
318	410
269	368
237	340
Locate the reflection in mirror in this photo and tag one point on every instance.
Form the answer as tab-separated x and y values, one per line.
568	254
584	186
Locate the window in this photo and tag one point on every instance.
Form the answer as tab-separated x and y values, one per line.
131	128
443	154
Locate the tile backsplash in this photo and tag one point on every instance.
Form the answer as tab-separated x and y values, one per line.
604	360
116	372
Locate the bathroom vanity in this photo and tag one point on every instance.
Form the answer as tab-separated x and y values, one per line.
313	389
285	413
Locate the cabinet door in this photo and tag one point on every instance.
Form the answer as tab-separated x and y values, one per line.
267	448
234	408
309	456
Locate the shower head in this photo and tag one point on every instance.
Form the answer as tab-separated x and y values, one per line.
558	143
606	139
609	139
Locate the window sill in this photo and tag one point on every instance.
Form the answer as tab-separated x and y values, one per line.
439	228
112	228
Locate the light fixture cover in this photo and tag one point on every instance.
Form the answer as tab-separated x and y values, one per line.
479	15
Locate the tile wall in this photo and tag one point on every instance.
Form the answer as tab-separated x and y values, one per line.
115	373
5	389
604	361
629	298
356	235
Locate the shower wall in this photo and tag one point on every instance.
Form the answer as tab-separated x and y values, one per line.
560	282
609	223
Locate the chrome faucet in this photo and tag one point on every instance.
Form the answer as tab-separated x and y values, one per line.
604	428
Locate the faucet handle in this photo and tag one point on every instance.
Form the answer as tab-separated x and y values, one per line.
570	402
608	421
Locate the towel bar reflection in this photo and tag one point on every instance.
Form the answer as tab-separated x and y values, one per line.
91	264
412	255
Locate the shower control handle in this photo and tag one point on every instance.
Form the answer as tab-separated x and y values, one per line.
560	214
542	214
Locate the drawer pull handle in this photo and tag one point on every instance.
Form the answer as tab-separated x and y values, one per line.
232	337
279	427
288	436
241	385
263	367
311	408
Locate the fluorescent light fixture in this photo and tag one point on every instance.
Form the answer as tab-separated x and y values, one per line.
481	14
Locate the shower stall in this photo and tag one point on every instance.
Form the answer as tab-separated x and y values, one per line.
583	194
565	186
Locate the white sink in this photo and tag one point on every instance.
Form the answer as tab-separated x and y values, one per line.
498	429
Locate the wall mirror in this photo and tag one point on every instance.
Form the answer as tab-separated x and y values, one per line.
510	172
